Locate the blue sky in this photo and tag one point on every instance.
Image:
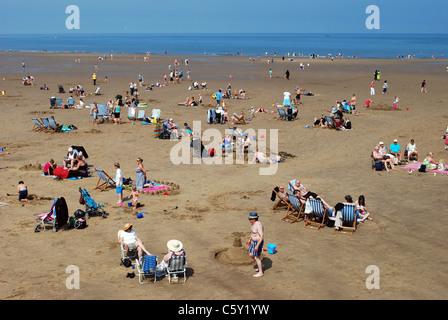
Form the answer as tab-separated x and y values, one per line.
229	16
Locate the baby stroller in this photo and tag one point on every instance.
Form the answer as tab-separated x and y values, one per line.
92	208
57	217
60	88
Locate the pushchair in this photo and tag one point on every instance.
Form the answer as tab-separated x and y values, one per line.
60	88
57	217
92	208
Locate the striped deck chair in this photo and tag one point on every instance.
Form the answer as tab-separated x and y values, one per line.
54	127
348	219
38	126
281	204
317	216
141	115
46	125
59	102
295	209
147	267
177	265
104	180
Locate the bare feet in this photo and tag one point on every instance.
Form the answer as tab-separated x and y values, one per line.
258	275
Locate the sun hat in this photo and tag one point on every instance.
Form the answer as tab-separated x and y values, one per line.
70	149
395	140
381	142
127	226
253	215
174	245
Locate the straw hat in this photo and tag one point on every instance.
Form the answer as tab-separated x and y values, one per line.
127	226
174	245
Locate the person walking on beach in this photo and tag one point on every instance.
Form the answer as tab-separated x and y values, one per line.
423	87
94	79
270	73
256	241
372	89
94	113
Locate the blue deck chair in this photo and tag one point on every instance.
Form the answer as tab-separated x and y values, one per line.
102	111
59	102
156	113
141	115
104	180
317	216
46	124
131	113
177	265
92	208
71	102
38	126
295	210
349	216
54	127
282	114
147	267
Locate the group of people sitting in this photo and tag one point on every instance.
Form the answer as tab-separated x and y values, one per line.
196	85
28	81
131	242
192	102
74	165
333	122
394	155
303	194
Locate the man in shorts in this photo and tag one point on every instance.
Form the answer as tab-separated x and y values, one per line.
256	241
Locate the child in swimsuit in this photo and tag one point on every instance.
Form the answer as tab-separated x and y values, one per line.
23	192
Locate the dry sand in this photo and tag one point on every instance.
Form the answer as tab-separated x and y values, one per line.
406	239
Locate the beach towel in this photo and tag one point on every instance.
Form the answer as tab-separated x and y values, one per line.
156	187
415	165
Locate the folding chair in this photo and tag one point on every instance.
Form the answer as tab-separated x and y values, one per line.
46	124
104	180
282	114
295	210
54	127
349	216
317	216
127	254
156	114
38	126
97	91
281	204
71	102
141	115
176	265
147	267
59	102
131	114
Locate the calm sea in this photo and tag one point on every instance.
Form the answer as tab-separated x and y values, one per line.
389	46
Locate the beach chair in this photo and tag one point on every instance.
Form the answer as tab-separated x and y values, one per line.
46	124
92	208
57	217
147	267
141	115
295	210
330	122
59	102
282	114
102	112
348	218
317	216
211	116
126	254
156	114
131	114
54	127
97	91
104	180
281	204
177	265
71	102
38	126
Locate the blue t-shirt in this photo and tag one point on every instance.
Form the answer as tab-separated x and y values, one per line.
218	95
394	147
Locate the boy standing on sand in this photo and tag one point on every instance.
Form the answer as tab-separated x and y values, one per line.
119	183
256	241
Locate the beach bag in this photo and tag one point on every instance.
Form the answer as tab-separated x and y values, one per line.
379	166
126	262
79	214
422	168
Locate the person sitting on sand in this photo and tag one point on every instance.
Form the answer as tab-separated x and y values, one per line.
79	169
321	122
22	189
261	110
361	210
261	158
48	168
130	241
411	149
429	161
238	118
347	125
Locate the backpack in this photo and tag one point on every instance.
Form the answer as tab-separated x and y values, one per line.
422	168
379	166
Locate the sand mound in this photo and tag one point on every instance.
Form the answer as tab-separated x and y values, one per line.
31	167
383	106
235	255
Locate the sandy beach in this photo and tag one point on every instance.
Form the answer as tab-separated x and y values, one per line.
406	239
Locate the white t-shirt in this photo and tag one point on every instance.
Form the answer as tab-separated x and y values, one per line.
129	237
119	177
286	95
